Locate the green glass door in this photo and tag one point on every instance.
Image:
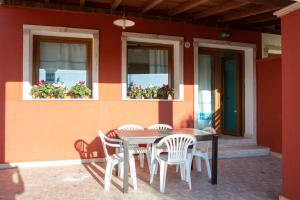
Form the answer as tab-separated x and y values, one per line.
231	95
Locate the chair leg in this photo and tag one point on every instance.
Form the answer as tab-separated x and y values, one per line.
133	173
207	166
141	155
198	163
163	175
188	173
148	157
121	170
108	174
153	169
182	171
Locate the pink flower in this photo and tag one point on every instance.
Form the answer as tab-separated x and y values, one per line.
40	83
81	82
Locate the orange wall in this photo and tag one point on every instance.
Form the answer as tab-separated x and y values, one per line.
47	130
291	105
269	103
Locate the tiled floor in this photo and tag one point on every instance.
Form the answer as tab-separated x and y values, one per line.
242	178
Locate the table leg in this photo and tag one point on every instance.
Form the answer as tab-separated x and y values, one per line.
117	166
126	162
214	178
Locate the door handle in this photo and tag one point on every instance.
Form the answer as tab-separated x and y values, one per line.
235	111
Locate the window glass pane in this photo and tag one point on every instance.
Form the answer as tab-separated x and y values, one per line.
63	62
148	67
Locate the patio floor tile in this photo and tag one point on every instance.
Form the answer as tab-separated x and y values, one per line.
240	179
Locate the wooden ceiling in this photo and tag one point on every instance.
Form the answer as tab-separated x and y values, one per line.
256	15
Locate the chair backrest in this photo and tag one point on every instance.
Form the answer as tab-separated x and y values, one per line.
131	127
160	127
106	141
177	146
204	145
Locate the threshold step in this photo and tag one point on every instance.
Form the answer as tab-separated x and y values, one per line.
242	151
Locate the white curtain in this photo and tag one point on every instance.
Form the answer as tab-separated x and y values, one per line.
205	88
54	56
63	62
158	61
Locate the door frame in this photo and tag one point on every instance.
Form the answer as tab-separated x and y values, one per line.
249	79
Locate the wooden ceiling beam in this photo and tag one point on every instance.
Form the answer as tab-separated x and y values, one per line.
221	9
281	3
115	4
188	5
260	19
240	15
150	5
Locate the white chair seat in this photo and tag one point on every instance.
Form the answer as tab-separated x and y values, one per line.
116	159
177	146
202	153
119	157
137	149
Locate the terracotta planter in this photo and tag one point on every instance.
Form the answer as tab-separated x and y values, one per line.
68	97
85	97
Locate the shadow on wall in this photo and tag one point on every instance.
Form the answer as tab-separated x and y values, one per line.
165	112
93	149
188	122
11	183
2	121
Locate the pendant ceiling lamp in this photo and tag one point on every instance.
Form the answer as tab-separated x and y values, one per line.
124	22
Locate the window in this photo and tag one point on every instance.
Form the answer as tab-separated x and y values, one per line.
152	66
61	59
60	55
149	64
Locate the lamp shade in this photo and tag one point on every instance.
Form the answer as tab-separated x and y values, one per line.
124	23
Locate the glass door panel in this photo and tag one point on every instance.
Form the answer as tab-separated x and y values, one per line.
231	95
206	96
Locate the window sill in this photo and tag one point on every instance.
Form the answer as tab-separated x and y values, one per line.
152	100
61	99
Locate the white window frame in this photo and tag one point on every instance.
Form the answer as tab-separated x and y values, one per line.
30	30
177	44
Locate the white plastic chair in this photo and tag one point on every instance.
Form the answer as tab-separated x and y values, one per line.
162	149
177	146
116	159
136	149
202	153
160	127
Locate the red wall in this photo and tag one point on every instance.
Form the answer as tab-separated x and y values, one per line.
269	103
48	130
291	104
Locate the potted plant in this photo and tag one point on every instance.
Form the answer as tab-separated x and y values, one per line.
170	93
166	92
42	90
150	92
80	90
59	90
136	92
